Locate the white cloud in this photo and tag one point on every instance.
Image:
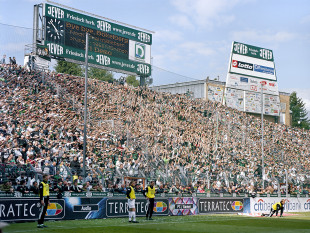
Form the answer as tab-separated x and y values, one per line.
206	13
263	36
168	35
181	20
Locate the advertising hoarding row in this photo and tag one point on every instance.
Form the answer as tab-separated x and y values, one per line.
27	209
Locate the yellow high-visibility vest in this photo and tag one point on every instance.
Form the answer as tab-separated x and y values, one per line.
46	189
150	192
132	194
274	206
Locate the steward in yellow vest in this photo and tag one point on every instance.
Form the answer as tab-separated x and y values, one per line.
276	207
149	193
131	201
44	193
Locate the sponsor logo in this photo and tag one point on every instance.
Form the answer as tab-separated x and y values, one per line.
242	65
237	205
307	205
261	206
54	209
272	84
243	79
264	69
55	49
264	83
85	208
253	88
143	69
144	37
55	12
253	81
240	48
234	63
160	207
103	26
183	206
140	51
266	54
232	77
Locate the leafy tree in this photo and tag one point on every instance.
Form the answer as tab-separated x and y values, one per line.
299	112
132	80
100	74
69	68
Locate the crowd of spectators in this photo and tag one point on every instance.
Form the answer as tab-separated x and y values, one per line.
186	145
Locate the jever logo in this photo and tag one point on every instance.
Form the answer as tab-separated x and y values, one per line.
160	207
54	209
237	205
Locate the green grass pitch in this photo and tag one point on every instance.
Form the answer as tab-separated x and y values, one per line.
174	224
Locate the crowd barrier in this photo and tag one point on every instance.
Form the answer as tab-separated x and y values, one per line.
105	205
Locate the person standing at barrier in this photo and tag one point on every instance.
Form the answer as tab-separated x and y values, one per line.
276	207
44	199
131	202
149	193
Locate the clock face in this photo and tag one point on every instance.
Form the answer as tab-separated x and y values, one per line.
55	30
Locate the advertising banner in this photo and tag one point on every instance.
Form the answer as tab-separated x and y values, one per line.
23	209
221	205
252	70
183	206
252	67
263	204
119	207
215	94
252	51
251	84
234	98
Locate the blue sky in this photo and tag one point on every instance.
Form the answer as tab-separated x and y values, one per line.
193	37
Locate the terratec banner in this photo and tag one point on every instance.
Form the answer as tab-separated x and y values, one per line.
221	205
119	207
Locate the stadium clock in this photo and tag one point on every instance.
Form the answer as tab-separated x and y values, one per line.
55	30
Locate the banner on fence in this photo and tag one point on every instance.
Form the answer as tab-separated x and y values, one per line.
221	205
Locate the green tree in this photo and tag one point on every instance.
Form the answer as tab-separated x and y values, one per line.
299	112
69	68
132	80
100	74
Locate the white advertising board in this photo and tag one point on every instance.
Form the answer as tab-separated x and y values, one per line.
234	99
263	204
250	70
215	94
253	67
247	83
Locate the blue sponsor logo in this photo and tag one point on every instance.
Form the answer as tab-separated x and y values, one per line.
243	79
264	69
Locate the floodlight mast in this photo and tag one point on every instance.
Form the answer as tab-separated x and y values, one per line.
262	119
85	106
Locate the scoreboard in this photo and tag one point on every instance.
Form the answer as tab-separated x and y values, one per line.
114	46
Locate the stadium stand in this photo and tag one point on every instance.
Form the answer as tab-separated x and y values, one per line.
186	145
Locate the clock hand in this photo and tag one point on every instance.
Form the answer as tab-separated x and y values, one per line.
54	27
